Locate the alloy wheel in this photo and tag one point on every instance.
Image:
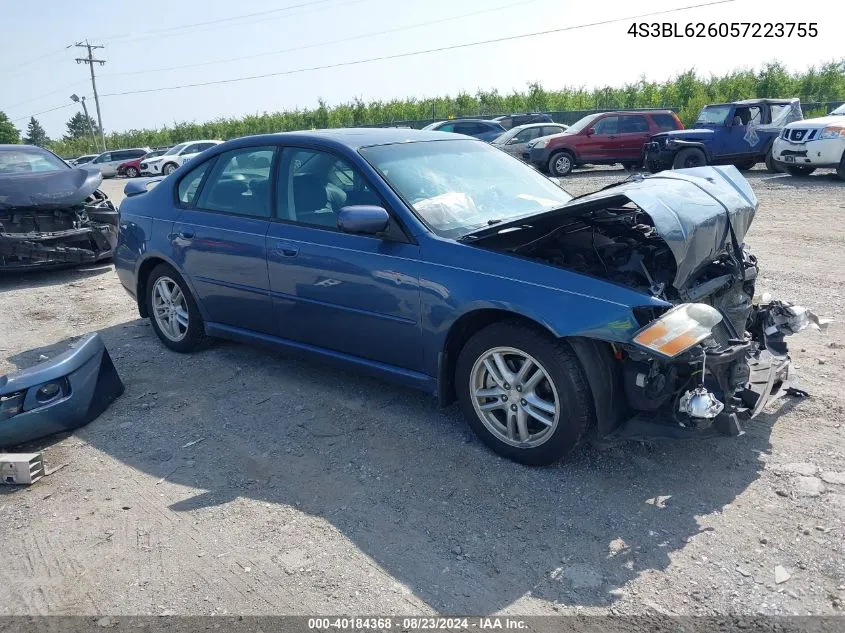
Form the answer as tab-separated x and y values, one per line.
170	309
514	397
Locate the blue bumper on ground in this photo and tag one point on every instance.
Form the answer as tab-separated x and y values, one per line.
58	395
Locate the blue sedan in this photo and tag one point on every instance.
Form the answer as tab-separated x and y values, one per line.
441	263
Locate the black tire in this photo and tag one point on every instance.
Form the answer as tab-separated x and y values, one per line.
561	164
631	166
131	172
799	170
745	165
653	165
565	372
195	338
169	168
840	171
771	164
688	158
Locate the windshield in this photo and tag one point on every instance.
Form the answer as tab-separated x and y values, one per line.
175	149
26	160
581	124
840	110
713	115
154	153
458	187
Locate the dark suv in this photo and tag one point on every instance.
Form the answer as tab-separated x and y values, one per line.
509	121
603	138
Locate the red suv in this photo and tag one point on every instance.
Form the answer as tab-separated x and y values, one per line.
603	138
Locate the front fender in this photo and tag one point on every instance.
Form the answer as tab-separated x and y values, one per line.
679	144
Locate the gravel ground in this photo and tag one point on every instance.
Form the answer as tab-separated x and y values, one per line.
243	481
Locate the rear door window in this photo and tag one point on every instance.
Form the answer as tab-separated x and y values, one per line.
239	183
633	124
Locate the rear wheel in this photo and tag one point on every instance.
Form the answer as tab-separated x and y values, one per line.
799	170
131	172
173	312
689	157
523	393
745	165
169	168
561	164
840	171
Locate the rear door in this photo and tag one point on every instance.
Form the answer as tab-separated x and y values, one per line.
219	236
633	134
103	162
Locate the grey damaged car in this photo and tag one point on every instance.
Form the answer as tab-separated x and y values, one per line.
51	214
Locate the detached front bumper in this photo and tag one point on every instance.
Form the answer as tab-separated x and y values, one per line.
814	153
58	395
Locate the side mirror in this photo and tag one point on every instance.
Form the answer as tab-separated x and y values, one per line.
590	131
513	141
363	219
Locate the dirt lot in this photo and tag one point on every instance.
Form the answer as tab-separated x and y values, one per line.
310	490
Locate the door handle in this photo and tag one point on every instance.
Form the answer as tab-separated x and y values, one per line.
287	249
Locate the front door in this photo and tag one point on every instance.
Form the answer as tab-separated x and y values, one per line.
740	138
353	294
516	146
219	238
600	146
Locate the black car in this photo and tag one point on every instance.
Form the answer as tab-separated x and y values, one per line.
50	213
508	121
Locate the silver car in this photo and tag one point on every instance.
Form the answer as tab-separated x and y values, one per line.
515	139
108	162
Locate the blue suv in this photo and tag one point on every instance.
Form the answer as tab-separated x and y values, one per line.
739	133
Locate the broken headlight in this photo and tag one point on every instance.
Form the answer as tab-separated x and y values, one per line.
679	329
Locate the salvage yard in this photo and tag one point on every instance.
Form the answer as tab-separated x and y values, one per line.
238	480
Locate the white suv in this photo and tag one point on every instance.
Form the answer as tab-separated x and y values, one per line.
170	161
804	146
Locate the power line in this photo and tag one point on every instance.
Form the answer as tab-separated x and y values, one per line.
420	52
170	30
18	65
325	43
21	118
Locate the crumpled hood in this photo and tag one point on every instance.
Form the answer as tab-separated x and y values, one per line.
692	210
48	189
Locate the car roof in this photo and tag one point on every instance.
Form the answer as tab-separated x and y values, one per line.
19	146
754	102
356	138
526	126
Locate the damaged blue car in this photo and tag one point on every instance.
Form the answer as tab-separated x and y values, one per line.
444	264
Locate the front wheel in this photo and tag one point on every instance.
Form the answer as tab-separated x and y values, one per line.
561	164
173	312
523	393
169	168
799	170
689	157
840	171
771	164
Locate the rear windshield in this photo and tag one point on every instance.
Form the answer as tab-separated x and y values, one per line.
665	121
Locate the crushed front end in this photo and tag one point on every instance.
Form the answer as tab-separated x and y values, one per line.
54	219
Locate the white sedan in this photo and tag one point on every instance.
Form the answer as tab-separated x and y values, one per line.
170	161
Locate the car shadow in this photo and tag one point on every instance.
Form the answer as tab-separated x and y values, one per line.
406	482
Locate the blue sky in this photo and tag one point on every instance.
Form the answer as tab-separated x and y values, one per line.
144	40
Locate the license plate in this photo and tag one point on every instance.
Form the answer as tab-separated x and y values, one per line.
789	159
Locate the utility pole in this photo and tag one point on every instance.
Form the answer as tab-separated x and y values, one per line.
91	61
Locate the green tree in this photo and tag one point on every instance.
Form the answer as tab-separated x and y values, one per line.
8	132
77	127
35	134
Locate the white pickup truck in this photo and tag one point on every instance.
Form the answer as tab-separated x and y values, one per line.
803	146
